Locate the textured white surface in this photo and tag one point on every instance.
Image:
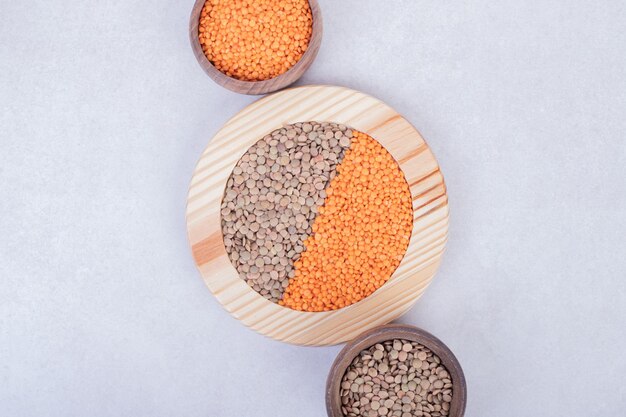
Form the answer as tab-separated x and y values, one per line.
104	112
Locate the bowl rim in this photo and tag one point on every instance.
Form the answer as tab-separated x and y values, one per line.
395	331
257	87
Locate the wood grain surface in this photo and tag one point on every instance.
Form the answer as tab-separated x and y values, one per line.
389	332
257	87
358	111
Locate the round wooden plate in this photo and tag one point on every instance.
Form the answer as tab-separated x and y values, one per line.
358	111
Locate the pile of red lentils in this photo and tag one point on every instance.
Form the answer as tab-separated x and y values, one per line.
360	235
316	216
255	40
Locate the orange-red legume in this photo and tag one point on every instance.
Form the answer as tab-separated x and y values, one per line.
360	234
255	40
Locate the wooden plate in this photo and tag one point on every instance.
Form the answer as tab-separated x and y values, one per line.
358	111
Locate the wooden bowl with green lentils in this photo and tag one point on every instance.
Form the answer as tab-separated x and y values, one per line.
396	371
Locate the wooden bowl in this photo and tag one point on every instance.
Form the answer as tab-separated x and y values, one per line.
358	111
388	332
257	87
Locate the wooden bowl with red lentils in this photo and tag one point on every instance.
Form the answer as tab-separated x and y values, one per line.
255	46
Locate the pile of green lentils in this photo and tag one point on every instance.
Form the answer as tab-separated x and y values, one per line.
396	378
272	198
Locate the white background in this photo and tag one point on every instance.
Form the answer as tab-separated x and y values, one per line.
104	112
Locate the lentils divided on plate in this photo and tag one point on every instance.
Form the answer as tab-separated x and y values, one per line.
316	216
